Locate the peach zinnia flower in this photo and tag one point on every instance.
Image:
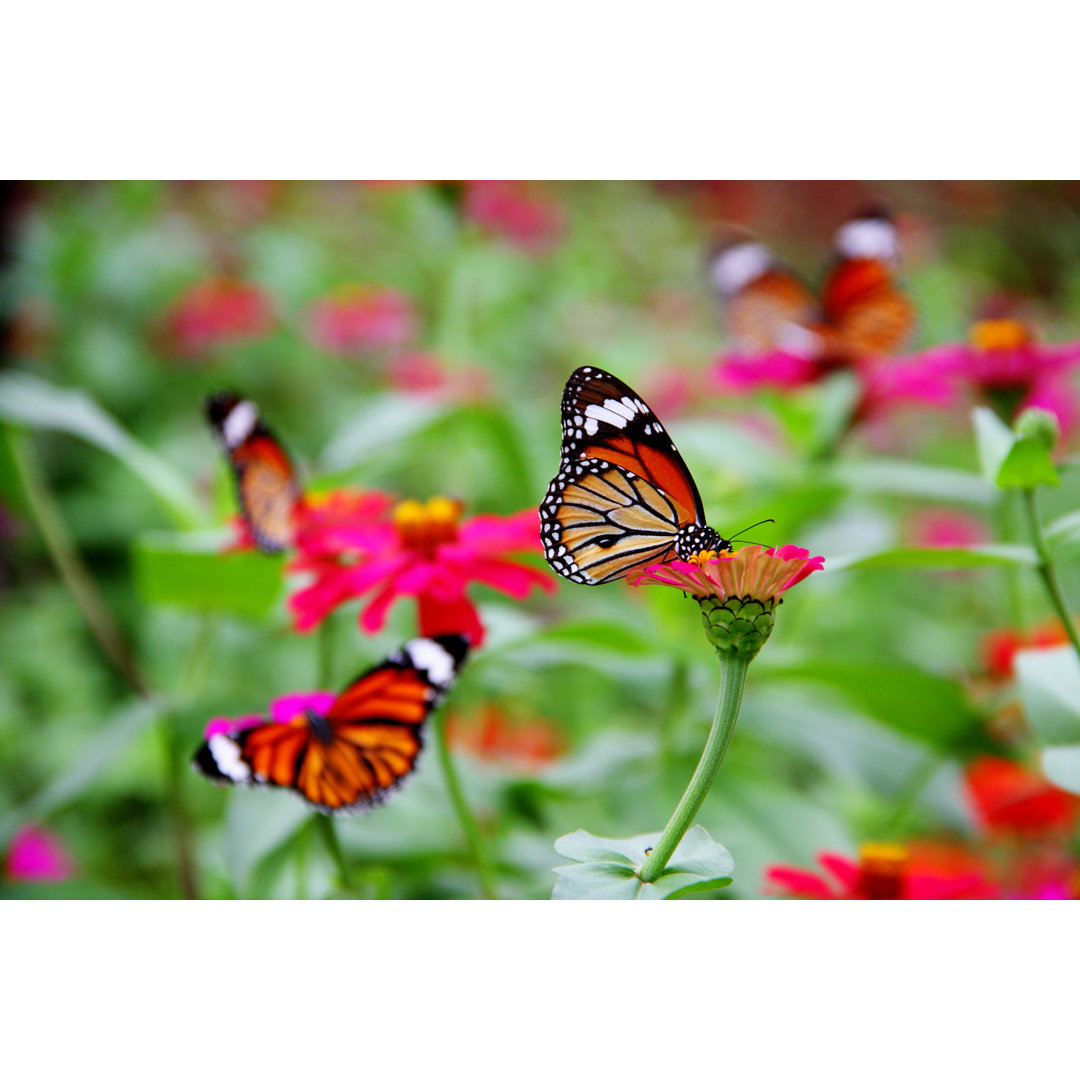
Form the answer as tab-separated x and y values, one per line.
425	550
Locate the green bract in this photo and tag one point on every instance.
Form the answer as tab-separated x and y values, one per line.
738	625
607	869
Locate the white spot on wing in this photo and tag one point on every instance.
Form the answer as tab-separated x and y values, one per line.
591	426
619	407
226	755
734	268
239	424
432	659
868	238
599	413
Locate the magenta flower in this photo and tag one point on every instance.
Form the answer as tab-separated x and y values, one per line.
358	317
215	311
751	573
946	529
282	710
737	373
424	550
424	374
521	213
1007	367
37	855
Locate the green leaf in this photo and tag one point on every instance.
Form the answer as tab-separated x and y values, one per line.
99	751
607	869
190	572
257	825
919	703
1049	681
1062	767
28	401
994	439
380	423
943	558
1027	465
1065	530
885	477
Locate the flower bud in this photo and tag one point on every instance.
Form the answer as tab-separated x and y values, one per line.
1039	424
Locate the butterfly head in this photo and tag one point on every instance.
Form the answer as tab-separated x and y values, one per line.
698	542
319	726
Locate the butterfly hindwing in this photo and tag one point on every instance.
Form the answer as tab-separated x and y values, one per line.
267	487
367	742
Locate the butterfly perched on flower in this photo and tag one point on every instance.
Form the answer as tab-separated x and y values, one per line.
623	497
267	487
349	754
861	309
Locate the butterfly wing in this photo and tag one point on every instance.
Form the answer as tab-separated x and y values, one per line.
266	484
367	743
864	309
623	494
766	307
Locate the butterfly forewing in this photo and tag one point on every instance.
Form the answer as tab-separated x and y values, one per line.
366	744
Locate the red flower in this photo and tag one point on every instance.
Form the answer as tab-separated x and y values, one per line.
999	647
37	855
886	872
425	551
425	375
527	745
358	317
215	311
519	212
946	529
1007	798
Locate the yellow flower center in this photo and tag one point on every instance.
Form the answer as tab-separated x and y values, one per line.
424	526
990	335
701	558
882	869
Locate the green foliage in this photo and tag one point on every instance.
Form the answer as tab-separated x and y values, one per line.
1050	691
605	869
1012	460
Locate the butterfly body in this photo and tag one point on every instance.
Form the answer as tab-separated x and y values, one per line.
347	757
622	497
861	309
267	487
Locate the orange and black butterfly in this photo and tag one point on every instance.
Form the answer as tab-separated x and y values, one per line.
351	757
266	484
623	497
861	310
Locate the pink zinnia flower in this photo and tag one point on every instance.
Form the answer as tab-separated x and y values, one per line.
884	872
1011	370
946	529
522	213
740	374
751	573
282	710
358	317
216	311
37	855
425	551
425	375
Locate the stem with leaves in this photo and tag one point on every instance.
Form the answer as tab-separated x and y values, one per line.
732	681
1047	571
469	825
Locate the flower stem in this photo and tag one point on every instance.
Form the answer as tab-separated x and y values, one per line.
468	823
1047	571
732	680
1007	529
69	564
325	826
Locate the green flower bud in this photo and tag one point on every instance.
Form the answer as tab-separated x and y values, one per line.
1039	424
739	625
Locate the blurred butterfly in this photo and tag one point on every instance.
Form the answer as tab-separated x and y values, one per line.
266	484
350	758
861	309
623	496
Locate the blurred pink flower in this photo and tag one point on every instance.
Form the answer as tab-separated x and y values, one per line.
425	375
425	551
889	384
37	855
752	572
218	310
520	212
1006	366
358	317
946	529
740	374
282	710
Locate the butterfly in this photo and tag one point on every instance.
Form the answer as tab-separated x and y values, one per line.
623	497
267	487
350	758
861	310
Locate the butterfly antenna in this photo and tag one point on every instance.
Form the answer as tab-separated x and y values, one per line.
767	521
